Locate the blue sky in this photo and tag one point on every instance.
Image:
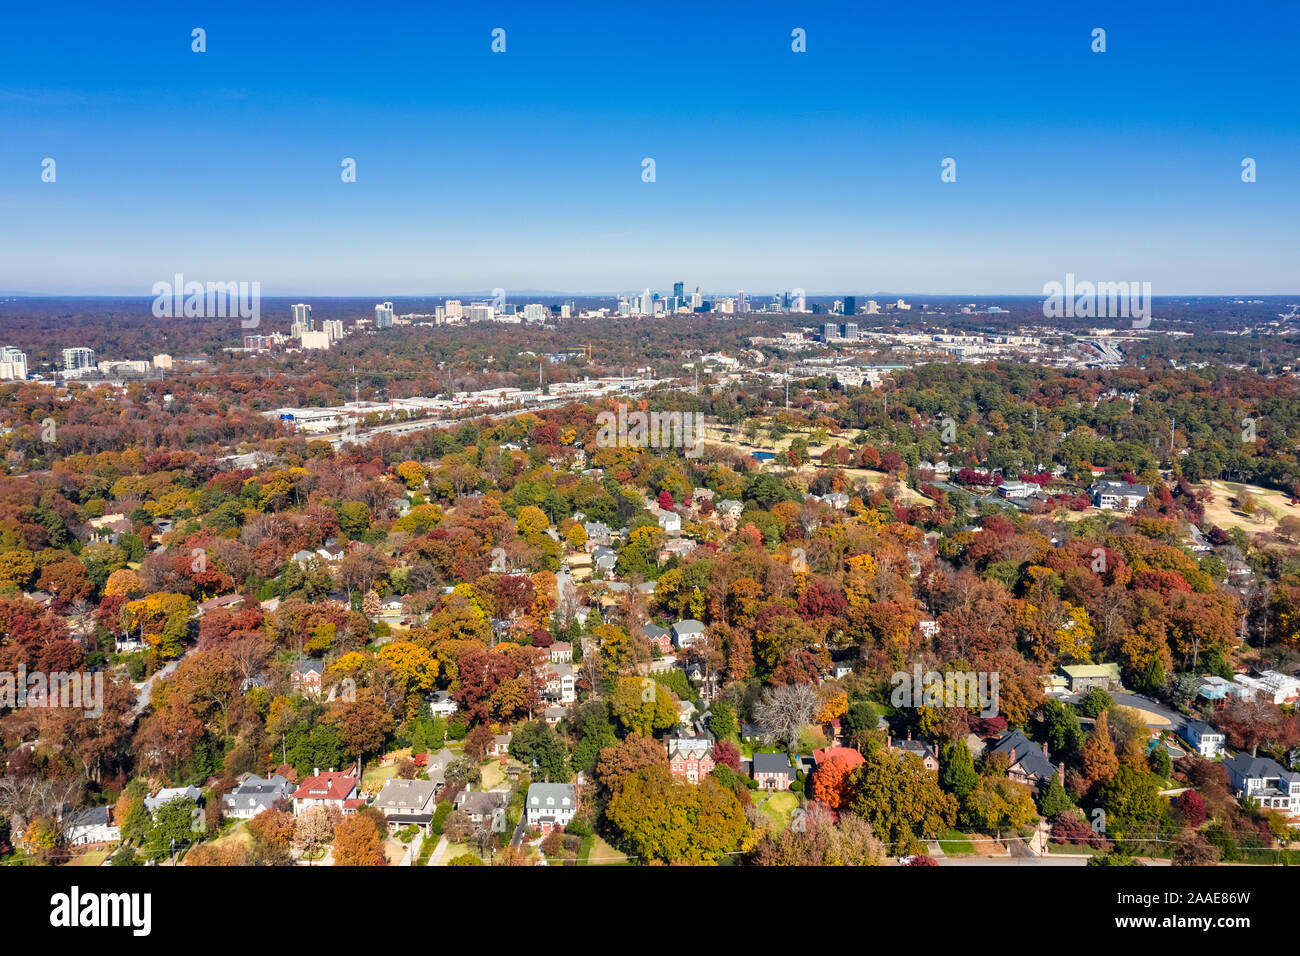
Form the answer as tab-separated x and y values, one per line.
774	170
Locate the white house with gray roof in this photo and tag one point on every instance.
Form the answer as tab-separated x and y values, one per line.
549	806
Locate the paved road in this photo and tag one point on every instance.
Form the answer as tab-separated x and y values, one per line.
145	689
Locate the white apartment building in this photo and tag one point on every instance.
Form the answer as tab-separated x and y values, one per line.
13	363
302	316
78	358
384	315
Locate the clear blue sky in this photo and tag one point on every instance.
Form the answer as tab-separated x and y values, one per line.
774	169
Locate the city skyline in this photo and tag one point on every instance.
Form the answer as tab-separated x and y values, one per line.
524	169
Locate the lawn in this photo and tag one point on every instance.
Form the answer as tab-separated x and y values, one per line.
600	853
373	779
90	858
494	774
955	843
780	806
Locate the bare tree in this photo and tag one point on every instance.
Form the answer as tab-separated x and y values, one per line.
783	712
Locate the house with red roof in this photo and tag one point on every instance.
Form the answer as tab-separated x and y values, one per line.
335	788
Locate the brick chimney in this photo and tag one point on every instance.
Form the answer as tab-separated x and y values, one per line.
1044	748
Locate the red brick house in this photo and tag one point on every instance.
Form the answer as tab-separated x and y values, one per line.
690	758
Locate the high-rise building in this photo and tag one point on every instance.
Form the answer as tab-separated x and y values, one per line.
830	331
384	315
481	312
534	312
258	343
850	305
333	328
697	300
454	310
850	330
679	290
78	358
873	307
742	304
316	340
302	315
13	363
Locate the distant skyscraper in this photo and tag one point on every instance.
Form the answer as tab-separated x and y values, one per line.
850	305
13	363
78	358
454	312
697	300
742	304
850	330
830	331
302	315
679	290
384	315
534	312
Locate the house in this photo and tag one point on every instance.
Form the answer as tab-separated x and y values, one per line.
676	548
253	794
929	755
407	803
1214	687
561	684
603	559
669	521
561	652
332	789
837	500
483	806
773	771
1207	741
752	733
500	746
1016	489
928	627
442	704
553	715
550	806
729	507
227	601
1029	761
688	633
302	557
1271	685
92	825
306	675
690	758
1112	495
659	637
1084	677
168	794
597	533
1266	782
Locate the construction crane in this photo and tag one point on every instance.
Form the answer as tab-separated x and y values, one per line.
582	348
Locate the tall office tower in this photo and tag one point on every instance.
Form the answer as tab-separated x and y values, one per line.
624	305
830	331
873	307
454	310
439	314
679	290
78	358
481	312
850	330
647	303
850	305
384	315
742	304
13	363
333	328
302	315
534	312
697	300
566	311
